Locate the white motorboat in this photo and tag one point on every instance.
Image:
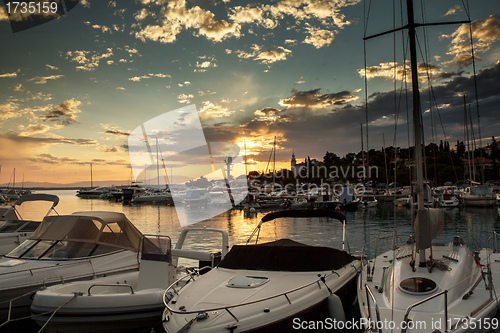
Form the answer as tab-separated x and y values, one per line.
424	286
162	197
94	193
80	246
13	229
267	287
368	201
128	302
448	199
479	196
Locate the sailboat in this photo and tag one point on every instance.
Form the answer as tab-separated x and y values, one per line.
422	286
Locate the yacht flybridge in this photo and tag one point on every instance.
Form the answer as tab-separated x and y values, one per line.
266	287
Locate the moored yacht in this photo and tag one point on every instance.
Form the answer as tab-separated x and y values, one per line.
127	302
264	287
13	229
66	248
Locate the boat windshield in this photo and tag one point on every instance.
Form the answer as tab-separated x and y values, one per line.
57	250
12	226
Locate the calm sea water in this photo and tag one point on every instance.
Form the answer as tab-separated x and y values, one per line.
473	225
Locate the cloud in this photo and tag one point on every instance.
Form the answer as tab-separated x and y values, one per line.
64	113
392	70
267	114
177	18
13	74
210	110
52	67
35	129
9	110
44	79
313	99
184	98
485	33
113	130
453	10
149	76
266	57
108	149
319	37
88	60
204	63
273	55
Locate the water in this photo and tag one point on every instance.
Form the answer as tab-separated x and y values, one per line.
473	225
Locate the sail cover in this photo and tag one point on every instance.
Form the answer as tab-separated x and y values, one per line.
429	223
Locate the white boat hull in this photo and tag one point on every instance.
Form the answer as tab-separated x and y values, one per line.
111	307
393	301
273	315
22	278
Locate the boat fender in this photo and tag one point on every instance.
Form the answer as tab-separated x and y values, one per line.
335	308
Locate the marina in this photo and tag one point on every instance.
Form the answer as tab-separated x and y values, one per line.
209	166
474	225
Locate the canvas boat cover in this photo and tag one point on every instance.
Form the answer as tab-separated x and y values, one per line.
104	228
285	255
7	213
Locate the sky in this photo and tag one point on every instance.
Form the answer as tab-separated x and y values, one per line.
74	88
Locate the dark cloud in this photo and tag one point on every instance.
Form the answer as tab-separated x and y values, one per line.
117	132
313	99
64	113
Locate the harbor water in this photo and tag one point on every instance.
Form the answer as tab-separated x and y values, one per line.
474	225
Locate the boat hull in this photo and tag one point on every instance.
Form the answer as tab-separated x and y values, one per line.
21	279
273	315
111	307
458	277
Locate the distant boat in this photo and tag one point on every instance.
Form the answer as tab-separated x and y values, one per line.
162	197
94	193
479	196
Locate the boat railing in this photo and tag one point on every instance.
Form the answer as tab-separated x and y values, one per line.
395	241
110	285
167	300
32	271
369	294
411	307
494	243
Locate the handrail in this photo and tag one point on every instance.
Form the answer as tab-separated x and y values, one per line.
377	312
408	310
109	285
227	307
494	244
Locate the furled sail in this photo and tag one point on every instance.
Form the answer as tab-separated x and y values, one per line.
428	224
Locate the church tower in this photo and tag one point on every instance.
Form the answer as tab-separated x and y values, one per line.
293	164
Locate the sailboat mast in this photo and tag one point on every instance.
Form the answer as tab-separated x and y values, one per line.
363	155
274	163
417	124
